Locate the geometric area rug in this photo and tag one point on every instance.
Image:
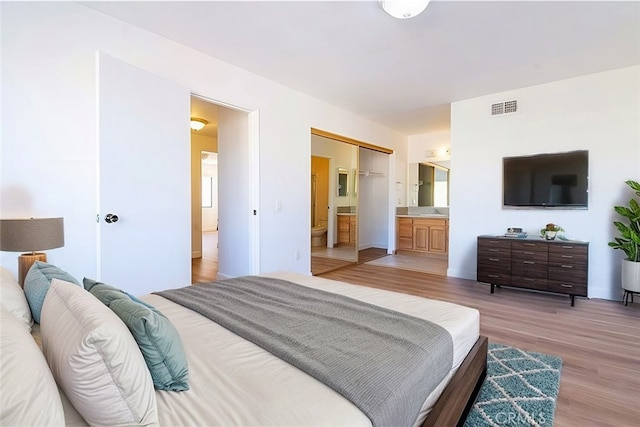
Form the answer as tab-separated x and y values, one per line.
521	389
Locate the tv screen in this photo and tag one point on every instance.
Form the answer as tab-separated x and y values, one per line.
557	180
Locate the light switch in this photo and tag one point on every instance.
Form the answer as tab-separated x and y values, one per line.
278	206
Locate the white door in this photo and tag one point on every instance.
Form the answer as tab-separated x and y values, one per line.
143	179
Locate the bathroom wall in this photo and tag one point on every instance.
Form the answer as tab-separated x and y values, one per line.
320	166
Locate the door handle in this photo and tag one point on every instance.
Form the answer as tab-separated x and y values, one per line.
111	218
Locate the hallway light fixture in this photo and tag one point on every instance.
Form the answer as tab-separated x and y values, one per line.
197	124
404	9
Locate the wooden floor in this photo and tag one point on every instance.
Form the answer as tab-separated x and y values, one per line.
205	269
598	340
323	264
425	263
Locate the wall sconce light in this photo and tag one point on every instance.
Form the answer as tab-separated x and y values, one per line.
404	9
197	124
30	235
441	153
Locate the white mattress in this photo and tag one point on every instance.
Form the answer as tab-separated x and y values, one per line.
234	382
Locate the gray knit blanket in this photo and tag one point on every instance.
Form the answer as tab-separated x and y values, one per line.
385	362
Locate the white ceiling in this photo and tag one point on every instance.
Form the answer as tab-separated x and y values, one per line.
402	74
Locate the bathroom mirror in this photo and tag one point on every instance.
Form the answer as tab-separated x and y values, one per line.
343	182
428	184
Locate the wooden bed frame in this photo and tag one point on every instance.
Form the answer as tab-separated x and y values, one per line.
458	397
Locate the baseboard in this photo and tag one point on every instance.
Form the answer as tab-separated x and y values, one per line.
196	254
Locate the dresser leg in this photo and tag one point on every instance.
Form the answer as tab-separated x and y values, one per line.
492	287
573	299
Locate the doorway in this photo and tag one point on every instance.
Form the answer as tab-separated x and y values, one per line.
204	190
224	243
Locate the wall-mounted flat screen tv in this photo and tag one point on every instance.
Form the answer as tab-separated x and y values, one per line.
554	180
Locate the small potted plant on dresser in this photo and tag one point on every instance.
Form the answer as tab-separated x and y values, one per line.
629	243
550	231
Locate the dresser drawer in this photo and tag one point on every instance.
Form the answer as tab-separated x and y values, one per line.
568	254
495	277
499	252
529	246
567	287
568	272
529	282
529	255
528	268
493	243
495	262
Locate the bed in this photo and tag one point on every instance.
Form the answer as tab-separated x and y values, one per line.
235	382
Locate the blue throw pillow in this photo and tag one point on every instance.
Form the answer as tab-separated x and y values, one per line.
157	338
37	283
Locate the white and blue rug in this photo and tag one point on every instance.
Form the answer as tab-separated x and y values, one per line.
521	389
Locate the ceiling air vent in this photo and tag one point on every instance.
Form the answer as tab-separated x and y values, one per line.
504	107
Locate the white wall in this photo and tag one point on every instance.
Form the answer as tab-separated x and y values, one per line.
48	165
419	145
598	112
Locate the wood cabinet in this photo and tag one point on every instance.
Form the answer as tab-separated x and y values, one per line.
422	234
552	266
347	227
405	233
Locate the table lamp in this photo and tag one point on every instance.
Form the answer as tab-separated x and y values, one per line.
30	235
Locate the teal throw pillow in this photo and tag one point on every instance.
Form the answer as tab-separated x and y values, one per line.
37	284
155	335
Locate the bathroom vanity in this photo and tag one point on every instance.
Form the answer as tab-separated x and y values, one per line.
422	233
347	226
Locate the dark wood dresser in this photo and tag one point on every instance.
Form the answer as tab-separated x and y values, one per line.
558	266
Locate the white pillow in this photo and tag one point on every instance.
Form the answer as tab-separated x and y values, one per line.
95	360
28	393
13	299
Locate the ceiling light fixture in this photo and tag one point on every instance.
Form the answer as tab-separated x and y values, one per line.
404	9
197	124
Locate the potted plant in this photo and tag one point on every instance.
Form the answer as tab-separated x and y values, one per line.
550	231
629	242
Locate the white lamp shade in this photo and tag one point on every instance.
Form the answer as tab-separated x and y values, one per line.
404	9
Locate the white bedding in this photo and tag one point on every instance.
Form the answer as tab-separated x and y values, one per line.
234	382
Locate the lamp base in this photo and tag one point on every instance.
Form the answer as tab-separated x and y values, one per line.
25	261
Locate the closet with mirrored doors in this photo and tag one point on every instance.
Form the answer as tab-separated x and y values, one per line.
349	201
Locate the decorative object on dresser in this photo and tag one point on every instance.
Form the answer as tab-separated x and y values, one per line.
550	231
534	264
30	235
629	242
515	232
